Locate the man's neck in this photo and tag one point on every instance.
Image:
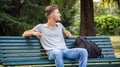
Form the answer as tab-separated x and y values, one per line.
51	23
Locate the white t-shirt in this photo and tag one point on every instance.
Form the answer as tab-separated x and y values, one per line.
51	38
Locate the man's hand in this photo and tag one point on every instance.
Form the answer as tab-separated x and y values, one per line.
37	34
31	33
67	33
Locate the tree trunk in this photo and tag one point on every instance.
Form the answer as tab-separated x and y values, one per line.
87	27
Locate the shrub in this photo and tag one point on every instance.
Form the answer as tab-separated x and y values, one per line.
107	25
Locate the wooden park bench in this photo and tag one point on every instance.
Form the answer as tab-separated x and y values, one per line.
20	51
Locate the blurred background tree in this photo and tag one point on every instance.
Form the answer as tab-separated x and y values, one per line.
16	16
87	25
109	17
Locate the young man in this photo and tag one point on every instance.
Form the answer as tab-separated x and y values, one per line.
51	37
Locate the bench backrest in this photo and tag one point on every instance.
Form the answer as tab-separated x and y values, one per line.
17	50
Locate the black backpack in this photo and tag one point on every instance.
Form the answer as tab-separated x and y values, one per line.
93	50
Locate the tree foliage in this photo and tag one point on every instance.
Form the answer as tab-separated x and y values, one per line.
107	25
16	16
107	7
110	3
10	24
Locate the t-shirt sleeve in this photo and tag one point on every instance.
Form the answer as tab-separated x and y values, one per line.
37	28
63	28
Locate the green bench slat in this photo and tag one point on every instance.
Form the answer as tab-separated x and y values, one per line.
98	37
38	45
51	62
108	52
94	40
105	46
38	62
21	44
101	40
23	59
45	61
105	43
16	37
94	37
110	59
36	41
69	41
19	37
20	47
98	43
39	54
107	49
9	60
111	56
19	41
24	51
25	55
29	63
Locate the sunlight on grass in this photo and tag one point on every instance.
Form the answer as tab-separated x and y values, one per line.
116	45
115	38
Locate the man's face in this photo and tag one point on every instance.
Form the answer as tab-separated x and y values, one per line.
56	15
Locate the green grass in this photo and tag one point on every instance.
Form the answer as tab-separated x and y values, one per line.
116	45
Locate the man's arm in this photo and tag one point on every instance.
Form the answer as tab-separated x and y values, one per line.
31	33
67	33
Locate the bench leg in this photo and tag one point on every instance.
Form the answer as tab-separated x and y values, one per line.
73	65
8	66
5	66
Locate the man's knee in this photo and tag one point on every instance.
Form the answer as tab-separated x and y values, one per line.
55	53
83	51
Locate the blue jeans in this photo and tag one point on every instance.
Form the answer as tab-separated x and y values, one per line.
75	53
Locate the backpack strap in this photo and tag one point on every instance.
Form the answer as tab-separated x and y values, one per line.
101	56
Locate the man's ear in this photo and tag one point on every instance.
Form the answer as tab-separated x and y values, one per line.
51	16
